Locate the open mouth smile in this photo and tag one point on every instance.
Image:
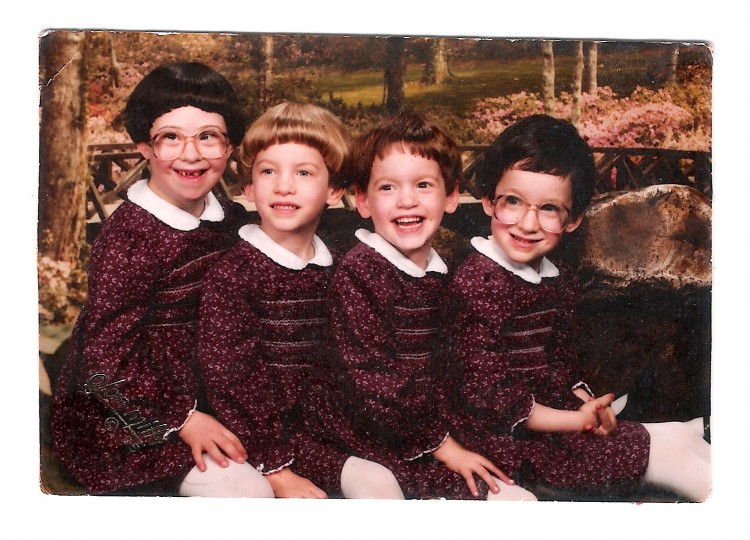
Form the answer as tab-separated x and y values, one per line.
284	207
524	241
190	175
408	222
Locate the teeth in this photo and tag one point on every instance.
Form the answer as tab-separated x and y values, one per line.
190	173
525	240
409	220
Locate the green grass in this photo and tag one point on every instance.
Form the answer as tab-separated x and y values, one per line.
623	71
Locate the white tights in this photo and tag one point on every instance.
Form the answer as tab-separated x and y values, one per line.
679	459
236	480
360	479
363	479
510	493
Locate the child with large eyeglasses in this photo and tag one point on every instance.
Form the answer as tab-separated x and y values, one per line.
129	413
512	332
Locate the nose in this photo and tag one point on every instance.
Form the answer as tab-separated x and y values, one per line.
407	197
529	222
284	183
190	151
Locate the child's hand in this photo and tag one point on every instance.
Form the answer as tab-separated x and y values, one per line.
204	433
599	419
287	484
467	463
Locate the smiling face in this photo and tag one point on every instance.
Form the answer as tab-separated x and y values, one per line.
290	190
185	181
525	241
406	200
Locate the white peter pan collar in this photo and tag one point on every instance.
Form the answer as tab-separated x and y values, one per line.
488	248
253	235
398	259
141	195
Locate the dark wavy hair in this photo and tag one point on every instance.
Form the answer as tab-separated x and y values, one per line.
182	84
414	132
543	144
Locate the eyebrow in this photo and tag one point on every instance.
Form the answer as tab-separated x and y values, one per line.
516	194
200	129
264	161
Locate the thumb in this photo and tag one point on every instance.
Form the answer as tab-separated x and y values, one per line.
605	400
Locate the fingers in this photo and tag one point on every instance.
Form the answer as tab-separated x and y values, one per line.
471	484
198	458
607	420
213	451
232	447
489	480
500	475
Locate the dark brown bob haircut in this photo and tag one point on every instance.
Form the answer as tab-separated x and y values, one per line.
182	84
541	144
414	133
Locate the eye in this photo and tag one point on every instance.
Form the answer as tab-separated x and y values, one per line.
304	173
266	171
512	200
168	136
210	135
385	187
550	208
424	184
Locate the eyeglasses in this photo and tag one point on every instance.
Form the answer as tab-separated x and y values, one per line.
510	209
169	145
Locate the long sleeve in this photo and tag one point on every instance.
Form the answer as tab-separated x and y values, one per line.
490	387
384	335
130	382
240	388
513	341
125	273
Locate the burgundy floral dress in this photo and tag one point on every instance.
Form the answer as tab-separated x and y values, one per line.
263	343
384	395
130	381
512	332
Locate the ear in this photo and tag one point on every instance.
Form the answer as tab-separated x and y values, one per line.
451	203
144	149
487	206
334	196
573	225
248	191
360	199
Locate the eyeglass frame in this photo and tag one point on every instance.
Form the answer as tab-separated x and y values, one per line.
191	138
529	206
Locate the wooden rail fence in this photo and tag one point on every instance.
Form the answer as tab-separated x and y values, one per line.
115	167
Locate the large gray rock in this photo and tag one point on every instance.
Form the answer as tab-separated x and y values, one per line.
659	236
644	258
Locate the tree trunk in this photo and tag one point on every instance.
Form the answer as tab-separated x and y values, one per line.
548	77
114	65
575	114
264	68
63	171
394	74
436	69
673	56
592	60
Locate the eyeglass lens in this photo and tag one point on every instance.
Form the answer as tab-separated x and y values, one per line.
510	209
211	144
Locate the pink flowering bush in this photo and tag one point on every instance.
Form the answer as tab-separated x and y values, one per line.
62	290
677	117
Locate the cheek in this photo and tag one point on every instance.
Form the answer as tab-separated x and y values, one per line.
219	165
